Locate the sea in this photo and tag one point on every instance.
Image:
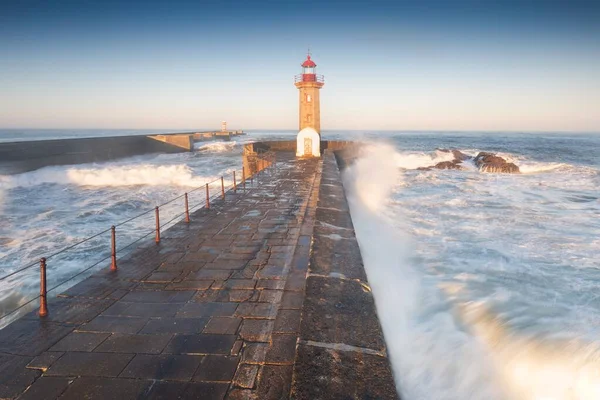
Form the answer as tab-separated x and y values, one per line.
487	285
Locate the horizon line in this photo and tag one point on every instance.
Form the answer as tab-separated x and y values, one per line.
188	130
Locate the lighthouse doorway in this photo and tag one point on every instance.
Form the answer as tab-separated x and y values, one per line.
308	147
308	143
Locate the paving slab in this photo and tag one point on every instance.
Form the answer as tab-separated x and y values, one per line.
14	376
114	324
165	390
174	325
162	367
47	387
165	296
148	310
216	368
201	344
106	388
205	391
80	341
134	343
89	364
45	360
223	325
31	337
211	309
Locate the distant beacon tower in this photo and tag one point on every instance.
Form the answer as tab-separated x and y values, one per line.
309	83
224	126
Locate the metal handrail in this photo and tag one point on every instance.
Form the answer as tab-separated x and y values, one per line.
268	159
309	78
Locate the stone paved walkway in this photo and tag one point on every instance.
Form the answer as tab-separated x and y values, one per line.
212	312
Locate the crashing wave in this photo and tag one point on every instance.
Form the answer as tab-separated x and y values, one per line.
215	147
124	175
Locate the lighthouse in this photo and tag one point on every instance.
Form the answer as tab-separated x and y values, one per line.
309	85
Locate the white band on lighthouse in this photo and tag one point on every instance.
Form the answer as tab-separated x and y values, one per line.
308	143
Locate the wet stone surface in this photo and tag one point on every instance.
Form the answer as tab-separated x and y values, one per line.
193	317
263	296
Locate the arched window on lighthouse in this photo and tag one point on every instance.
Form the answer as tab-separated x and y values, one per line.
308	98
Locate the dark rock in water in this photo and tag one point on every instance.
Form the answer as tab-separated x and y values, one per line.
458	155
486	162
448	165
443	165
489	162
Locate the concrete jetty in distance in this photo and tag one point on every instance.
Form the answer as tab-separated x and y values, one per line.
18	157
261	296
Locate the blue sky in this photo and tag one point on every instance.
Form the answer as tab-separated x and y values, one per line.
430	65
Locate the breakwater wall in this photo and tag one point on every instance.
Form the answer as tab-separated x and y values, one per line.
17	157
341	351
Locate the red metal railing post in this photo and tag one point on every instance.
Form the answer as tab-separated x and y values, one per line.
222	188
43	295
113	248
157	239
244	178
234	183
187	208
207	197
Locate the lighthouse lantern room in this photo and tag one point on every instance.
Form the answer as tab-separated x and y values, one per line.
309	84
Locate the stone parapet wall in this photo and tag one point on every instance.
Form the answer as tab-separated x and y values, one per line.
341	352
184	141
290	146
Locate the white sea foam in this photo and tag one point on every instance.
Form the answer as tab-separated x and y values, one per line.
444	340
107	176
529	167
414	160
423	340
215	147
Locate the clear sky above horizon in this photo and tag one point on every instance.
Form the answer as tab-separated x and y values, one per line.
455	65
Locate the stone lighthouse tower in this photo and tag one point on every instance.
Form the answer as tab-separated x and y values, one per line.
309	84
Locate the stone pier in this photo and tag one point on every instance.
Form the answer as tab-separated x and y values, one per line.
263	296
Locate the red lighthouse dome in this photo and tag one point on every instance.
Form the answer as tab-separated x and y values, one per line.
309	72
308	63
